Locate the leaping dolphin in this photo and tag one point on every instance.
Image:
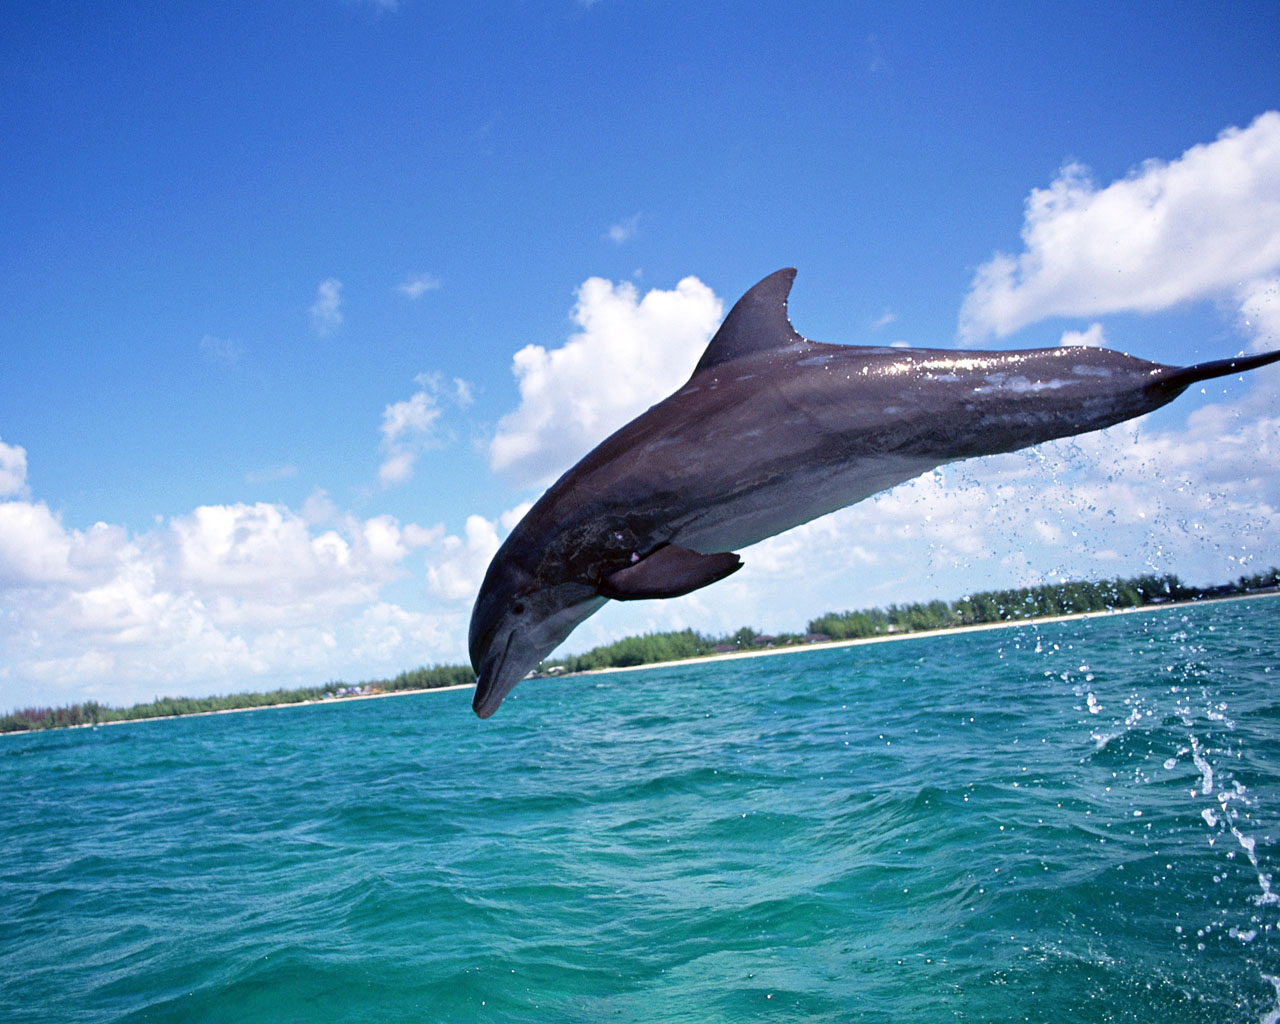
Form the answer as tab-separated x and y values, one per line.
771	431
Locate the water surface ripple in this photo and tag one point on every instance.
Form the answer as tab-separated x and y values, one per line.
1066	822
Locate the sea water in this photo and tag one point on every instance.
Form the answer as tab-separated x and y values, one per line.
1076	821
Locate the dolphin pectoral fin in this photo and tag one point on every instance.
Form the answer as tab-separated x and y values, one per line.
669	572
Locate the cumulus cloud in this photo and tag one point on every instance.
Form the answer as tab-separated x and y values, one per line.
318	508
629	353
385	632
223	598
326	311
456	566
13	470
409	427
264	560
1169	233
417	285
34	548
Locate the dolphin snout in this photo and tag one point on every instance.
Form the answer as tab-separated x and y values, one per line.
486	700
494	681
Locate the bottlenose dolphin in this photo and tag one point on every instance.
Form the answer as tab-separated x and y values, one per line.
771	431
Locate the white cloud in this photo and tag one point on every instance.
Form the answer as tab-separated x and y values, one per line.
884	320
456	566
624	230
396	468
264	562
511	516
385	632
224	598
417	285
409	427
1170	233
1092	337
318	508
629	353
326	311
13	470
415	415
34	548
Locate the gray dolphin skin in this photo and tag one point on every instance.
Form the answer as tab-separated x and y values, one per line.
771	431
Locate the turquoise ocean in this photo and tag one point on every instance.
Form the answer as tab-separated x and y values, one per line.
1075	821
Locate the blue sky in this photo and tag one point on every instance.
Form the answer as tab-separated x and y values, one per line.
301	303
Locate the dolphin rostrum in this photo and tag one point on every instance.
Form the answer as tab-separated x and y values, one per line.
771	431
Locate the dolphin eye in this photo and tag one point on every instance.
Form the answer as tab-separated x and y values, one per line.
518	607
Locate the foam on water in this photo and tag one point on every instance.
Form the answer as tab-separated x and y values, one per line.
1066	822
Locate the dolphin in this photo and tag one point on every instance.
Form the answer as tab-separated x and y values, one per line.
773	430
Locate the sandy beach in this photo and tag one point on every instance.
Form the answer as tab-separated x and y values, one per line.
923	634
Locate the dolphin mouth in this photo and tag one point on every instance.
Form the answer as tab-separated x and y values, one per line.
486	701
490	691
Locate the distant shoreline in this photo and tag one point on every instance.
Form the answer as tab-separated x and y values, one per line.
822	645
268	707
254	707
764	652
827	645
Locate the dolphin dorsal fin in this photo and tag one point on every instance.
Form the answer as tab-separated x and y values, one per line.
757	323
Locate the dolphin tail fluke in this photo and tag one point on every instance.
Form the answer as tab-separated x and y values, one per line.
1179	378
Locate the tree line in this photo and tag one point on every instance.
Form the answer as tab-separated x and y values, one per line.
1007	605
1047	600
94	713
973	609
